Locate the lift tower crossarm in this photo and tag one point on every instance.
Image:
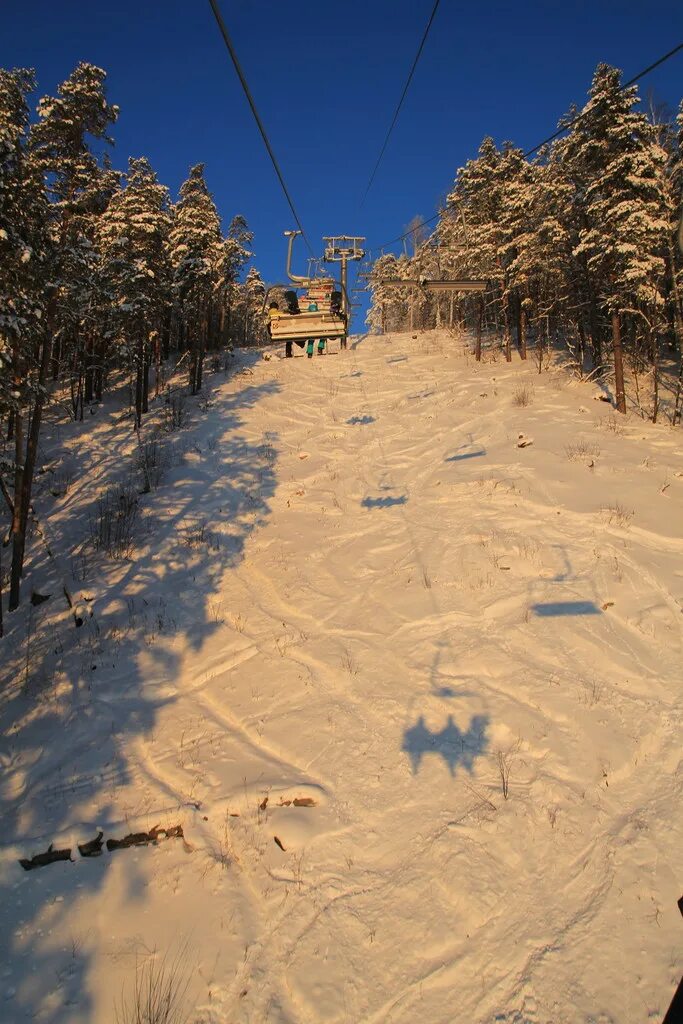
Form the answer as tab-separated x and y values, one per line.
341	249
466	285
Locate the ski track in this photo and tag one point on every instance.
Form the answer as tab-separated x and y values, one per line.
389	593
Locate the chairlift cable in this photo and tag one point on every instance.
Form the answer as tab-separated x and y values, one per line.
400	102
250	99
580	117
564	128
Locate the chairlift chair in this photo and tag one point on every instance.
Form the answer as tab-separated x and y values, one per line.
297	324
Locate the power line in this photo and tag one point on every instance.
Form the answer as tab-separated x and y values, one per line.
579	117
400	102
250	99
551	138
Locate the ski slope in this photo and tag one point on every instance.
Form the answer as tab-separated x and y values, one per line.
354	589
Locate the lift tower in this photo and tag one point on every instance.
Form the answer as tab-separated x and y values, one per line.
342	249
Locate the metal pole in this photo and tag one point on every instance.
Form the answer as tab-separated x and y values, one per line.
345	303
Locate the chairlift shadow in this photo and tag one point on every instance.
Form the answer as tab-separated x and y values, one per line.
564	608
388	502
455	746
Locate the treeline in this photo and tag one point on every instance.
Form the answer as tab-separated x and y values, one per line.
99	270
578	246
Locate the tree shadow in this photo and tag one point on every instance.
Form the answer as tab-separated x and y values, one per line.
73	700
451	743
383	502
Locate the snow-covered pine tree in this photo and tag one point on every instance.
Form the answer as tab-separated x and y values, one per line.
24	257
616	163
541	266
194	243
23	241
232	256
674	252
517	187
78	188
477	200
58	149
134	271
384	313
254	321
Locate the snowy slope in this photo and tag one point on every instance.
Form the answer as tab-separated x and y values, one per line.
354	589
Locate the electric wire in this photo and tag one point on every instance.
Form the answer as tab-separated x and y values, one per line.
250	99
551	138
400	102
579	117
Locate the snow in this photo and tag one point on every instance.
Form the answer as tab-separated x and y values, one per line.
354	589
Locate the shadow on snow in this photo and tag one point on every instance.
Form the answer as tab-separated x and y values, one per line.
465	455
69	718
551	608
388	502
451	743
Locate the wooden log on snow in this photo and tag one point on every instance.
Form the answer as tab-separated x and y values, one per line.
40	860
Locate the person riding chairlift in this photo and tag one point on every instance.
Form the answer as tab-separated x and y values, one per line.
313	308
273	314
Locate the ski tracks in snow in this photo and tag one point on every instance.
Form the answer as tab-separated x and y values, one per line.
427	754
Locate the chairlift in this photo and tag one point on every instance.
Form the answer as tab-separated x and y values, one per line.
314	310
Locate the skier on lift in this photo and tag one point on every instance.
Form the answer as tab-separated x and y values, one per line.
313	308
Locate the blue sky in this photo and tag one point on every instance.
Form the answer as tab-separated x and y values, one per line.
326	79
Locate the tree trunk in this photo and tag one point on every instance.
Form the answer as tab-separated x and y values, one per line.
99	381
22	498
56	357
582	346
618	363
138	383
508	333
521	330
18	470
596	336
480	317
200	355
166	337
145	376
655	381
89	359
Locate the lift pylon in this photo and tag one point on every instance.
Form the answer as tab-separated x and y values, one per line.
343	249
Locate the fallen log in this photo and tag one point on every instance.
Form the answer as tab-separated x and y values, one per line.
143	838
93	848
40	860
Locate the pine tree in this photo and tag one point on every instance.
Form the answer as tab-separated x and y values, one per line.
388	310
132	235
91	268
194	246
232	256
616	163
254	321
24	252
